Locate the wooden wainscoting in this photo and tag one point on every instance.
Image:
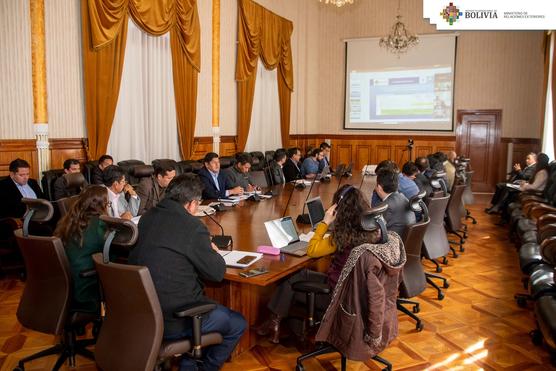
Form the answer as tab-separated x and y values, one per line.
371	149
202	145
64	148
26	149
521	147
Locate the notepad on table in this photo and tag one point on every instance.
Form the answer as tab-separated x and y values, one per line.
240	259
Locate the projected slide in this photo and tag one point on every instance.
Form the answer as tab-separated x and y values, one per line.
421	95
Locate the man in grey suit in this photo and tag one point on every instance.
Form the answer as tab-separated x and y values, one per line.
114	180
398	215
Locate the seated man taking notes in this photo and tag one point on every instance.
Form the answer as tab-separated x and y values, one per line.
176	247
238	175
216	183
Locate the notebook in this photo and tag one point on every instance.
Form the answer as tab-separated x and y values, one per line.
283	235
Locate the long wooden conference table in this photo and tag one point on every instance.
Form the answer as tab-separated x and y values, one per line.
245	223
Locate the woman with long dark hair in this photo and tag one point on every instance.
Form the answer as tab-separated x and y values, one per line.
349	206
82	233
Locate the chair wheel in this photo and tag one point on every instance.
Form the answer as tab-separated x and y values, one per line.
299	367
438	269
521	302
474	221
445	260
416	309
446	284
419	327
19	369
440	295
455	256
536	337
461	249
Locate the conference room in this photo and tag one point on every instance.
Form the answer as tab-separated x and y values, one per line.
276	185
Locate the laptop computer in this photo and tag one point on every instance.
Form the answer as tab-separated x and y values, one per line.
315	210
325	173
283	235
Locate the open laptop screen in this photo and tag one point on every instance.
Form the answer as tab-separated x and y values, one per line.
281	232
316	211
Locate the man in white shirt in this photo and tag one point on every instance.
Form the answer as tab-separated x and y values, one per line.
114	179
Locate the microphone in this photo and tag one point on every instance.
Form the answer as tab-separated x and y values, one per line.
289	199
341	177
223	242
363	175
304	218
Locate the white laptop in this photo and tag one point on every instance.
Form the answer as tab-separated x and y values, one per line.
369	170
283	235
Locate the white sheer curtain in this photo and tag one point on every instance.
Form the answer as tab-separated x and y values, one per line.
548	134
264	132
145	126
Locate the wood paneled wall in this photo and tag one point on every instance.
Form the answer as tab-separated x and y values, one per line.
361	149
371	149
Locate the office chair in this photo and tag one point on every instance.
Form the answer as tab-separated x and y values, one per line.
88	170
131	334
259	178
268	157
435	242
10	256
453	216
128	166
468	198
257	158
227	161
46	299
414	280
311	289
47	182
65	204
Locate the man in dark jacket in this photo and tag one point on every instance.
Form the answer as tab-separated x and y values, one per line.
398	215
502	192
17	186
276	167
61	189
103	162
215	182
292	167
422	178
176	248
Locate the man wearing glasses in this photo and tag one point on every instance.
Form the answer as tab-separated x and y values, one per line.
114	180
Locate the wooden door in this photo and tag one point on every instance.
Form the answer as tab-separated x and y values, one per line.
478	138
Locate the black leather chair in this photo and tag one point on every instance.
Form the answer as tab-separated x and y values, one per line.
64	204
191	166
227	161
183	167
10	256
257	160
545	308
260	178
46	299
47	182
128	166
142	171
132	340
88	170
268	157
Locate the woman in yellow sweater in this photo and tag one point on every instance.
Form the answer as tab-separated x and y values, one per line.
348	206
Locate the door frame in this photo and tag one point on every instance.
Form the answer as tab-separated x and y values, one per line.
497	113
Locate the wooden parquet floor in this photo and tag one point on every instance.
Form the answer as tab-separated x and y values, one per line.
477	325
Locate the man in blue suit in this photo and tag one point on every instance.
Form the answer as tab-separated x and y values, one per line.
215	183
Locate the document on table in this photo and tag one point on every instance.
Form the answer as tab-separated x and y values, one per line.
240	259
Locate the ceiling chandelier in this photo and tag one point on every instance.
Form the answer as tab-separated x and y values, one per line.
338	3
400	39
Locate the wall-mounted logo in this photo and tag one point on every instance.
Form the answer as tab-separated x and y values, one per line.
451	13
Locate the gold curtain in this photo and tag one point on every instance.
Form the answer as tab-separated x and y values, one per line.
263	34
104	38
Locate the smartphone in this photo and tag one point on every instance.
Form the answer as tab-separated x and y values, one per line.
246	259
253	272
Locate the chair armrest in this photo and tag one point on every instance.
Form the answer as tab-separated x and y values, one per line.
13	223
539	210
88	273
310	286
194	309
